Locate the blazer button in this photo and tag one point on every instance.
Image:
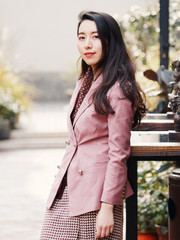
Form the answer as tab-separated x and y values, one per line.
80	172
67	142
74	145
58	166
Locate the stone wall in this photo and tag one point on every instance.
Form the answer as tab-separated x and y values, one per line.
50	86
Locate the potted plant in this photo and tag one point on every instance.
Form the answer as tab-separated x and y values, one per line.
152	199
146	225
4	128
15	96
159	198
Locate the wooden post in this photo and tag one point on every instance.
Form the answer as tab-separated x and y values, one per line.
164	33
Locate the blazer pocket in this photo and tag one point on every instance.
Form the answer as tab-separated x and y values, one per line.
98	166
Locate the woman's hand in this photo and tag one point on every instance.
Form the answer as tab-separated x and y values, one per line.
104	221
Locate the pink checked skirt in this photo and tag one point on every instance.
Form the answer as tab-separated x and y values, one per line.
59	225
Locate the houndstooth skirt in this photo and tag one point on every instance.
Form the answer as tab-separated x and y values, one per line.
58	225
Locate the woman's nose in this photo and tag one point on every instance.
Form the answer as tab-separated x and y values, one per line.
88	43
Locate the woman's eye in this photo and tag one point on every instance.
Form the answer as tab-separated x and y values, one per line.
96	36
81	38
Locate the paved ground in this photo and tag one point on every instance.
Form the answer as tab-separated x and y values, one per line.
27	167
25	180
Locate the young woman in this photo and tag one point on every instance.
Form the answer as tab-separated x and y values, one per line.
86	200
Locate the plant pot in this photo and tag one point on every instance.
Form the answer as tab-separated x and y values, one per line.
149	235
161	236
4	129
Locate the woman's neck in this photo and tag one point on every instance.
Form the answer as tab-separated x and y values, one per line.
96	74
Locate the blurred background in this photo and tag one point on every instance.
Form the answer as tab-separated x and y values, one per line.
38	71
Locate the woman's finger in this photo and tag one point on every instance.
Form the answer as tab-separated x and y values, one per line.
103	232
107	232
98	232
111	229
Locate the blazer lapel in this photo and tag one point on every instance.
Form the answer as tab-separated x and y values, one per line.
87	100
74	97
71	107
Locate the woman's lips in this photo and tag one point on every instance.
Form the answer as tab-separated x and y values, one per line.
89	54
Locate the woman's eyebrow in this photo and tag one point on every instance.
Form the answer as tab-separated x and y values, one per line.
85	33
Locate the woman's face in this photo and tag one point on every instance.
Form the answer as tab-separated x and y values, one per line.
89	43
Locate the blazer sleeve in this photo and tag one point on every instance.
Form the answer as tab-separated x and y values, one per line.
119	127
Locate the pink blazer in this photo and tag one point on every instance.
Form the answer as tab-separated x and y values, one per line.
96	153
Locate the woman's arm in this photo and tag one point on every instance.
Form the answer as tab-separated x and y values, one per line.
119	130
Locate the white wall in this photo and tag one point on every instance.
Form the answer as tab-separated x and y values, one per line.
42	33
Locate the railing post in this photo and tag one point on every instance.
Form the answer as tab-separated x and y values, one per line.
131	202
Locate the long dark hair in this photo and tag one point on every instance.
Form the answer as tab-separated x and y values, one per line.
115	65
